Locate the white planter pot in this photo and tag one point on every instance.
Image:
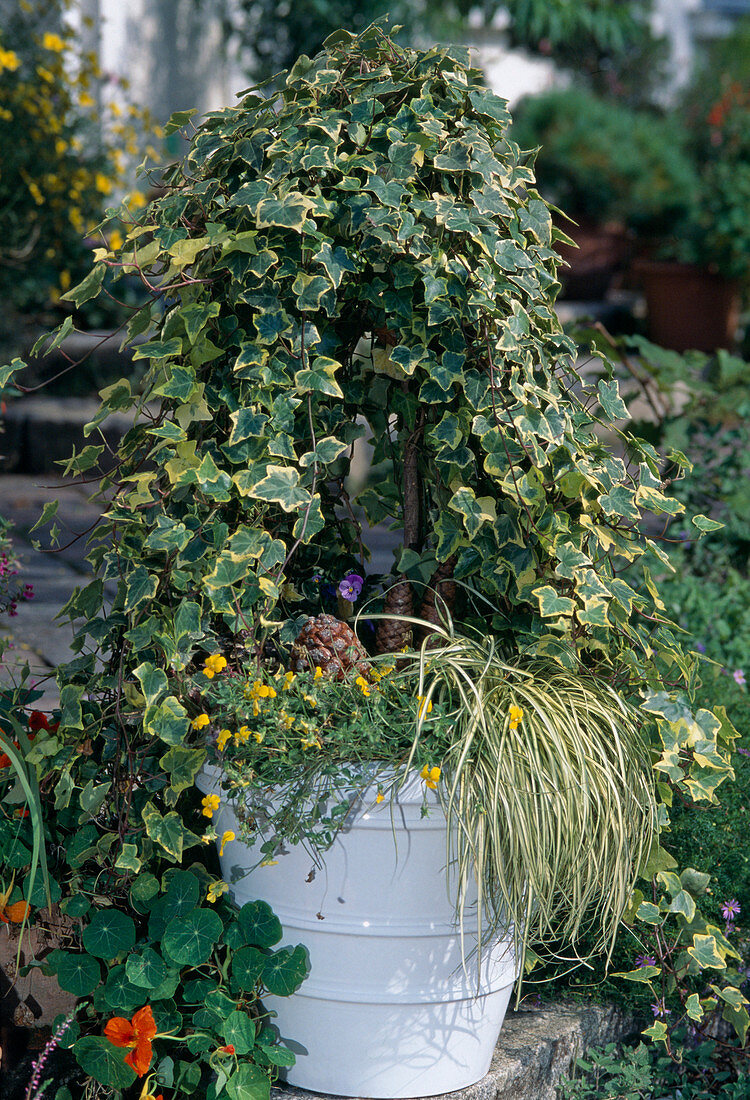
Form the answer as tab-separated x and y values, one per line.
389	1008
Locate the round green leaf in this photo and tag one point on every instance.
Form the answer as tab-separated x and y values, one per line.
146	970
182	895
77	906
247	967
284	971
259	924
78	974
110	933
239	1030
248	1083
190	940
143	891
121	995
104	1062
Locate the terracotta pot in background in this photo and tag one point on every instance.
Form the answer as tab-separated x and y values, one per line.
602	253
688	307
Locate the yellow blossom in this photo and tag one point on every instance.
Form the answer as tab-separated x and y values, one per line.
363	685
256	708
311	701
221	740
318	672
53	42
201	722
241	735
289	678
286	719
86	100
226	838
213	664
215	890
431	776
425	706
9	60
210	805
65	279
379	797
515	714
259	737
115	240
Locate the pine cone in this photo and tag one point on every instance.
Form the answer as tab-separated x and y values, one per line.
438	601
393	634
331	645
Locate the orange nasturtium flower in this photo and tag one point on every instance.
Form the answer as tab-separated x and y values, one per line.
15	913
135	1034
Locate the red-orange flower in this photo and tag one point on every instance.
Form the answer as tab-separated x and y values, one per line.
135	1034
38	720
228	1049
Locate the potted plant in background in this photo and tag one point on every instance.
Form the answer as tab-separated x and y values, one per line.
696	274
368	248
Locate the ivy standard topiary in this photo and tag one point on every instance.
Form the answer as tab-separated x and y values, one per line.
365	255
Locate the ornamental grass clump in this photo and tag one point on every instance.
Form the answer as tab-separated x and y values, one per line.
366	255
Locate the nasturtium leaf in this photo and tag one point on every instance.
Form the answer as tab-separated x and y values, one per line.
247	966
104	1062
146	969
285	970
183	895
279	1056
248	1083
191	939
239	1030
259	924
109	933
77	973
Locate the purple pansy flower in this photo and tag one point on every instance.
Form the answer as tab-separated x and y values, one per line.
730	909
351	586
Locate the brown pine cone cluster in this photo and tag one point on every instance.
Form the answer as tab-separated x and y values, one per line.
393	634
438	601
327	643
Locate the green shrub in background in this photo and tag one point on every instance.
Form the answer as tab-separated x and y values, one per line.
66	154
603	161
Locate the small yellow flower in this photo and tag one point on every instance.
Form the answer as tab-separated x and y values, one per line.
379	797
210	805
215	890
289	678
311	701
225	839
286	720
363	685
9	60
241	735
425	706
431	776
53	42
318	673
256	708
201	722
515	714
221	740
213	664
259	737
115	240
86	101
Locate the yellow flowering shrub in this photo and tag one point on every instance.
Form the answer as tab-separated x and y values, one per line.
65	154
